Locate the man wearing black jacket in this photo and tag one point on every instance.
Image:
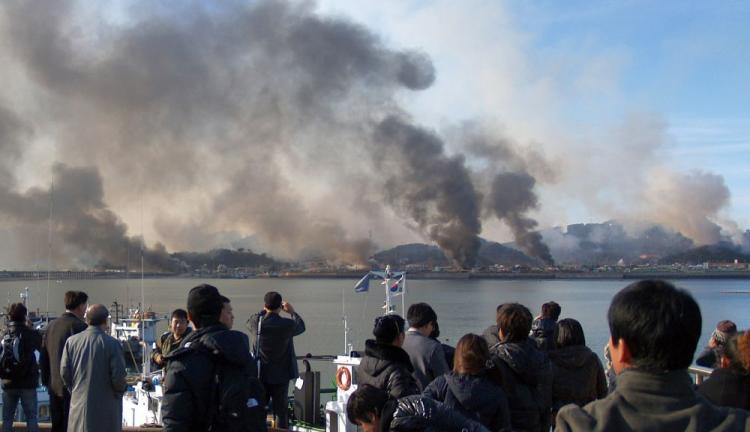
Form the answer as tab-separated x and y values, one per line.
273	344
372	410
210	381
21	385
58	331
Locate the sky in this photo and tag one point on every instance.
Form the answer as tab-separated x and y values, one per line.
577	68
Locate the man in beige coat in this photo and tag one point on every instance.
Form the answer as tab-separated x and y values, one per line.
93	369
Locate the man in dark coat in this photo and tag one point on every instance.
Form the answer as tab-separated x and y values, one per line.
58	332
654	330
526	371
385	364
274	344
426	354
371	409
171	340
22	384
190	395
729	384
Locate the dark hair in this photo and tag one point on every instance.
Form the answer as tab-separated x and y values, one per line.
387	328
225	300
17	312
733	352
272	300
420	314
179	314
204	304
514	319
365	404
73	299
660	324
569	333
551	310
472	355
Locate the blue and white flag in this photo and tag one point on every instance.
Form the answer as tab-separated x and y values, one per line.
363	285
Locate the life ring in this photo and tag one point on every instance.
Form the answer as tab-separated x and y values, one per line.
343	378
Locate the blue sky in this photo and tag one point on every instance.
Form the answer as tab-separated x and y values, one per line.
578	69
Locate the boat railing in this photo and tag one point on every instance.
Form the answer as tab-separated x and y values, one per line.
307	358
699	373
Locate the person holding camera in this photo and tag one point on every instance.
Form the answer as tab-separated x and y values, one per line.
273	346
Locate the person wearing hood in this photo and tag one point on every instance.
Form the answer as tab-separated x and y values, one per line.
526	371
386	365
372	410
474	387
212	362
578	374
21	381
544	326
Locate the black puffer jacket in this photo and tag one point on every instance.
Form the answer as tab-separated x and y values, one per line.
419	413
727	388
31	340
474	396
543	331
527	381
578	376
388	368
189	373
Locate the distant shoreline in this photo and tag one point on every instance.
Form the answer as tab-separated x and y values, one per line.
33	276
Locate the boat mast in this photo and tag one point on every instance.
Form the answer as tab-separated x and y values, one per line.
49	245
146	362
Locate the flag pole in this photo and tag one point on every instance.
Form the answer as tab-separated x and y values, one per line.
403	297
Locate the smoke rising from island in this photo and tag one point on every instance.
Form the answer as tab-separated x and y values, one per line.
234	119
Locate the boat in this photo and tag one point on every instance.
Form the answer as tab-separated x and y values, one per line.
143	400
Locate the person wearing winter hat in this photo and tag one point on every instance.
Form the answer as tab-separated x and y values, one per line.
711	355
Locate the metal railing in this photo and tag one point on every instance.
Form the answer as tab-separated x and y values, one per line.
699	373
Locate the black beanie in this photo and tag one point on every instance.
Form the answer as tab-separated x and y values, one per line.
204	301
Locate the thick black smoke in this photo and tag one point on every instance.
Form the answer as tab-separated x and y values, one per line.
257	118
511	196
435	190
80	217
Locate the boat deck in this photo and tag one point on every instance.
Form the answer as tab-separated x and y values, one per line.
21	426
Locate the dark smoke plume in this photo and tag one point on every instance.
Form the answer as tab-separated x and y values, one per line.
435	190
512	194
81	219
257	118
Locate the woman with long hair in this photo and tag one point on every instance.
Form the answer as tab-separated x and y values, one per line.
474	386
578	373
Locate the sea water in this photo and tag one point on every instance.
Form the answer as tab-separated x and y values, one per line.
462	306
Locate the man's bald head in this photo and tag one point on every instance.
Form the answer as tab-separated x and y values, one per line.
96	315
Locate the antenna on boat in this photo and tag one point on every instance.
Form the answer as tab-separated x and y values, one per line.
49	244
143	303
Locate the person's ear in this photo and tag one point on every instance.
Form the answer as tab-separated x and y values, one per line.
620	353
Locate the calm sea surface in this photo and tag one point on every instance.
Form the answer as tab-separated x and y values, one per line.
462	306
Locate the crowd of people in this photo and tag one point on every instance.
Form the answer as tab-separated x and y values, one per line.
537	374
522	373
